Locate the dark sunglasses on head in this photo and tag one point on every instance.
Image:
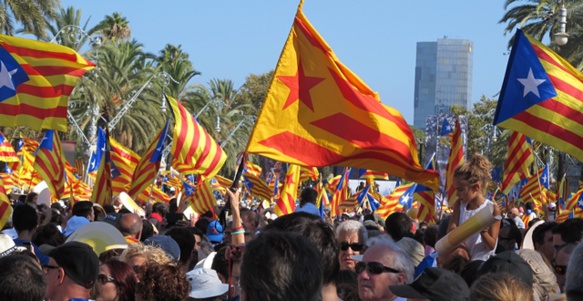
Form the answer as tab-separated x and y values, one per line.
103	279
559	269
373	268
354	246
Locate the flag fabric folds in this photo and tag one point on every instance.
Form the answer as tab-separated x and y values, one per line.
147	169
446	133
5	207
542	96
456	157
106	171
49	162
257	187
193	149
7	153
37	78
535	188
126	161
318	113
286	203
391	203
518	160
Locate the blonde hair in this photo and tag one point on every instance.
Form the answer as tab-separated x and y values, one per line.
151	253
477	169
500	286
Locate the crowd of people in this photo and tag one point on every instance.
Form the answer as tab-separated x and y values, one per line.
246	254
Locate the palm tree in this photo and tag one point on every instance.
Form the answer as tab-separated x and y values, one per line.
115	27
539	18
65	29
31	14
177	65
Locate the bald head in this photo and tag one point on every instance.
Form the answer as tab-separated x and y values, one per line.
131	224
514	212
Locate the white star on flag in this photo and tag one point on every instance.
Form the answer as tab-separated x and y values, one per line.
531	84
6	77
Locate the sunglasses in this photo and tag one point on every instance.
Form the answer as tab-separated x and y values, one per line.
559	269
48	267
373	268
104	279
354	246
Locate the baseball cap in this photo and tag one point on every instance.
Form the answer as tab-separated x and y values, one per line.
74	223
205	283
79	262
434	284
509	262
166	243
415	250
214	232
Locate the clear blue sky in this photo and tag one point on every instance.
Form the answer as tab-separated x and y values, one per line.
375	38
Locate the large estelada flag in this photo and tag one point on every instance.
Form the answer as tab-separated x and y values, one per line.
318	113
193	149
37	79
542	96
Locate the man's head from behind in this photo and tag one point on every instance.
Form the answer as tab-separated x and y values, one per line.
276	265
318	232
24	218
383	264
84	209
570	231
21	278
72	266
130	224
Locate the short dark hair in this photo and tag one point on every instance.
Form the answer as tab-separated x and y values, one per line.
430	235
185	241
398	225
570	230
147	230
160	208
83	208
21	278
276	265
538	234
125	279
318	232
48	234
308	195
24	217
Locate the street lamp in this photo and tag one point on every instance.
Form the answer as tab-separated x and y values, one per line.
562	37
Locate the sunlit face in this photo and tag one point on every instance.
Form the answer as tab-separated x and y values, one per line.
376	286
464	191
105	291
345	256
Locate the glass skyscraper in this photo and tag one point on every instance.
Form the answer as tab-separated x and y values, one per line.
443	77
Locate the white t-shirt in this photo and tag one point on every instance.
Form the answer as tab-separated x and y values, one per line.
478	249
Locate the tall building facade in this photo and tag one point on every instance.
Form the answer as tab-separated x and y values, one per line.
443	77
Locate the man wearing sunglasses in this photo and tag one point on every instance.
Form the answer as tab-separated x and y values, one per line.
382	265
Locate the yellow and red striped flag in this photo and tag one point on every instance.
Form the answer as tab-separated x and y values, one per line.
39	77
193	149
7	153
318	113
518	160
5	207
49	162
126	161
456	157
340	194
533	190
309	173
106	171
289	192
541	96
251	168
154	194
223	182
147	169
257	187
391	203
201	197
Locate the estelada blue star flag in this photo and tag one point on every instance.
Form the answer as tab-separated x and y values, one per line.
542	96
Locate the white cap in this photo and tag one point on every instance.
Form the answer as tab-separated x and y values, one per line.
205	283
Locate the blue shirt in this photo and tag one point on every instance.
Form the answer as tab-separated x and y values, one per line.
43	258
309	208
